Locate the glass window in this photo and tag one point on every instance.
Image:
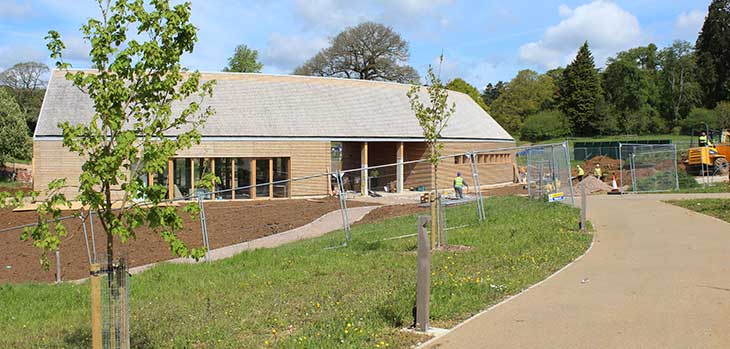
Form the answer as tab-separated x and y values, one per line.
242	178
224	172
200	168
262	177
161	179
281	173
182	183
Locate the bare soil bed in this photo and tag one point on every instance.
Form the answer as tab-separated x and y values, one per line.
517	189
228	223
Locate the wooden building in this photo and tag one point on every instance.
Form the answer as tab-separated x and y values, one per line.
270	128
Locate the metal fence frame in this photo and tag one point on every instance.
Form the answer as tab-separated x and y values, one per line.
670	148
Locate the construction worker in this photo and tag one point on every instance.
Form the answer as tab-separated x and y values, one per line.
581	173
597	172
703	140
459	184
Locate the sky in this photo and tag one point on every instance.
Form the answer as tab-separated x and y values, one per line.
482	41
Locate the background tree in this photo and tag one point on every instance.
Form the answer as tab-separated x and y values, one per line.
492	92
713	53
134	129
678	80
545	125
433	117
25	81
464	87
369	51
528	93
14	140
244	60
579	87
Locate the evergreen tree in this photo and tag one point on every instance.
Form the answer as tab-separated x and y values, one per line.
713	53
579	88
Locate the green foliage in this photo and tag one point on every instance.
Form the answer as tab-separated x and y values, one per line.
492	92
663	180
722	113
134	130
580	86
244	60
528	93
303	295
14	140
464	87
545	125
679	87
434	116
697	119
25	82
713	54
719	208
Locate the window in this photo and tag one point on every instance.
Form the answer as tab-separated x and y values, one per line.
224	172
262	177
182	183
242	178
281	173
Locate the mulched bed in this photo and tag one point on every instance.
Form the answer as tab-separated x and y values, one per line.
386	212
228	223
517	189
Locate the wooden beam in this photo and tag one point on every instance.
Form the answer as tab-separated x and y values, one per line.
170	186
399	168
192	177
233	179
271	178
364	172
253	178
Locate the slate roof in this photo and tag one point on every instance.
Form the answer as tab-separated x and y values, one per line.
283	106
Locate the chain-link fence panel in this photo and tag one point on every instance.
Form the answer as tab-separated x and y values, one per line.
648	168
547	173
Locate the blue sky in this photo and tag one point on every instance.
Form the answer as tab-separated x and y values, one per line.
482	41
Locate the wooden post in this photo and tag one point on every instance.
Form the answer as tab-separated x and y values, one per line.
399	168
95	306
432	200
233	179
271	178
58	266
423	283
253	178
170	186
583	205
123	306
212	170
192	177
364	172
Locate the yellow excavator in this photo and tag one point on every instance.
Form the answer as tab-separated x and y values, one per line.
711	159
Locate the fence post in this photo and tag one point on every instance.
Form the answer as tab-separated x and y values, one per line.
204	227
423	282
93	239
570	171
676	169
527	169
95	306
583	207
58	266
343	206
620	168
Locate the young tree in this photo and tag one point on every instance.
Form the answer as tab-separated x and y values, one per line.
713	53
579	88
14	140
134	129
244	60
25	81
433	117
528	93
369	51
459	85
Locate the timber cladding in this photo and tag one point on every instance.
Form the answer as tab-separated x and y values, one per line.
52	161
495	169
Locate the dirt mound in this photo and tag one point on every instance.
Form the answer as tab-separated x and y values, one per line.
594	185
608	164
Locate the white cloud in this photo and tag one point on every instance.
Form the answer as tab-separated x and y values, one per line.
690	23
565	10
607	27
284	53
10	55
14	9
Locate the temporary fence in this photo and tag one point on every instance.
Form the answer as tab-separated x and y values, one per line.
646	168
548	173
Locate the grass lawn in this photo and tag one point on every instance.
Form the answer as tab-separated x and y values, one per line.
302	295
719	208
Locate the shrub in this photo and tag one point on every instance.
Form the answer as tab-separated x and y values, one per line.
696	120
545	125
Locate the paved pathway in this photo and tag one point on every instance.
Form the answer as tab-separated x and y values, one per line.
322	225
658	276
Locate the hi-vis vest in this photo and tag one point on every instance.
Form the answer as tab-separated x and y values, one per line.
458	182
597	172
703	140
580	171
